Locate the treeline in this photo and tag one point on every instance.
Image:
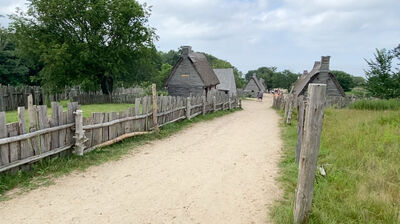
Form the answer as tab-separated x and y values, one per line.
94	44
273	78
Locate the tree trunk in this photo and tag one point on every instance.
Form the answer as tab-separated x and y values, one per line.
107	84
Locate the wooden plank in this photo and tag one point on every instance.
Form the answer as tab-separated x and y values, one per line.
26	148
97	133
88	133
105	129
309	152
62	120
70	120
188	108
33	124
12	130
45	139
112	130
144	111
155	122
300	126
54	123
137	123
122	126
4	149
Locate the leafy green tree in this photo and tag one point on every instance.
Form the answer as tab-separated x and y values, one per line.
344	79
219	63
93	43
382	81
358	81
273	78
13	70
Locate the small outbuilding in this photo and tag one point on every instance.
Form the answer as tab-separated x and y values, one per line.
253	87
227	81
319	74
191	75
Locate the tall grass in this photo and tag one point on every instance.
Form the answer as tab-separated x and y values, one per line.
392	104
360	152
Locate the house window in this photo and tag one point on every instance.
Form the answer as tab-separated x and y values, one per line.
185	75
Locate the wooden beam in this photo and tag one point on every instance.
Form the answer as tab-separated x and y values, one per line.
309	152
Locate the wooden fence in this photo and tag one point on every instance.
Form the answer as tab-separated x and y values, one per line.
45	136
12	97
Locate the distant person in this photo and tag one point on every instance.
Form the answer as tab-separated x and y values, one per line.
259	96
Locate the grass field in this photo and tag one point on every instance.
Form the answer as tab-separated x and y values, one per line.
360	152
44	172
392	104
12	116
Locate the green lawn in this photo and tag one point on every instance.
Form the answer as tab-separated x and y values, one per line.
12	116
360	152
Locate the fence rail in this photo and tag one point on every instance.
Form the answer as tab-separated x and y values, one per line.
44	136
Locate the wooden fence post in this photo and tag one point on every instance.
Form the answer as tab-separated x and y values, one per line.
188	108
214	101
155	122
290	109
79	133
203	98
309	152
300	125
240	103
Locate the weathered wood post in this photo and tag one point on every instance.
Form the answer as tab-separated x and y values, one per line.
203	98
290	109
309	152
155	122
229	103
300	125
214	101
286	100
240	103
80	138
188	108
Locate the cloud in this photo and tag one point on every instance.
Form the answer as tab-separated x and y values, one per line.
289	34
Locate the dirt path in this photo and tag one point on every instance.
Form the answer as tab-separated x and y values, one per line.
221	171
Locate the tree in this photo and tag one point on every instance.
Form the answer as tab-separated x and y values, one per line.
219	63
345	80
13	70
382	81
273	78
93	43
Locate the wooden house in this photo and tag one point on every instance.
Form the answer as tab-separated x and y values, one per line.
319	74
253	87
191	75
227	83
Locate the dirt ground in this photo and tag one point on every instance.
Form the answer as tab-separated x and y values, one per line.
219	171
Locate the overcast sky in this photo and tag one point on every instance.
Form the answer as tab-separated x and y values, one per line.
289	34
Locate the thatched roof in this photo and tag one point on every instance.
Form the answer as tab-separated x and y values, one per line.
258	83
201	65
301	84
226	79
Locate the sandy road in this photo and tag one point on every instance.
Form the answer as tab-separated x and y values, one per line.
220	171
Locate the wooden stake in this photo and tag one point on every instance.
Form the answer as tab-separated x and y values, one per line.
80	138
309	152
188	108
155	122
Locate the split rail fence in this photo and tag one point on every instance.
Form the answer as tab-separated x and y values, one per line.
22	144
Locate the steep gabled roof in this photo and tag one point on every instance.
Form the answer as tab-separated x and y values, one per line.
201	65
262	82
306	78
259	85
204	69
226	79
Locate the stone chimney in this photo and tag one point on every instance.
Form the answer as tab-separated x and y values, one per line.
317	64
325	63
186	50
305	72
